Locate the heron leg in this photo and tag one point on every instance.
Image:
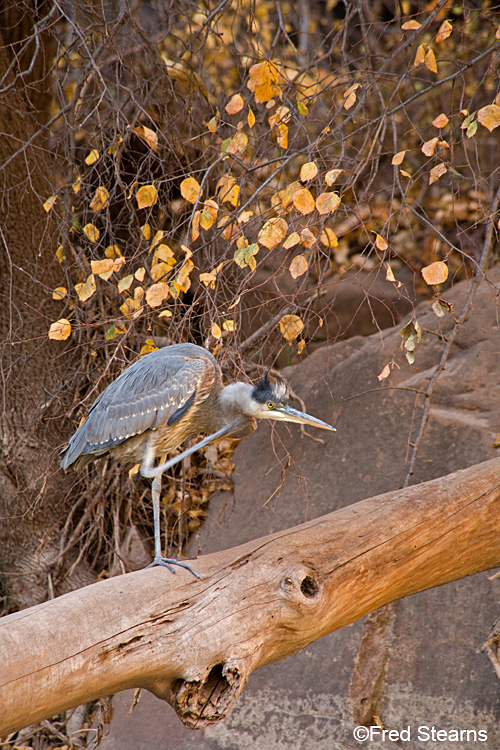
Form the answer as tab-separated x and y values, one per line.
167	562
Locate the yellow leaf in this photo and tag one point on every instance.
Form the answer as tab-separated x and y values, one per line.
92	157
190	189
165	253
308	171
91	232
129	307
77	184
411	25
165	314
380	242
350	95
212	124
244	255
237	143
332	175
327	203
444	31
209	214
236	301
229	325
157	293
273	232
87	289
430	61
208	279
114	147
307	238
397	159
100	199
291	326
328	238
430	146
389	274
405	173
291	240
235	104
102	267
149	346
420	56
49	203
148	136
298	266
489	116
160	270
251	118
436	172
289	193
125	283
263	81
146	196
441	121
385	373
140	274
146	231
195	226
436	273
59	292
303	201
112	251
60	330
60	254
216	331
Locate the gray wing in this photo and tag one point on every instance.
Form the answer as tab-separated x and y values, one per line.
158	388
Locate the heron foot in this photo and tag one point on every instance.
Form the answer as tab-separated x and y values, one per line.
167	562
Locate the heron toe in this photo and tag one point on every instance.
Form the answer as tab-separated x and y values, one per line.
167	562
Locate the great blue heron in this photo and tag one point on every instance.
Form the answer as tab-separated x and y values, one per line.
164	398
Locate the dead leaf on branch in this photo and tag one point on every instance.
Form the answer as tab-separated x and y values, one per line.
60	330
435	273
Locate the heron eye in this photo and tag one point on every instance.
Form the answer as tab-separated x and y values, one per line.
270	405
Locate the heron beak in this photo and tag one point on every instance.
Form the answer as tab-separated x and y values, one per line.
288	414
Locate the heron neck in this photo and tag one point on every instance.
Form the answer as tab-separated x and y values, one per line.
236	400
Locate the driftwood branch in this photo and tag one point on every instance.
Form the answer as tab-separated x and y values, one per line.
194	643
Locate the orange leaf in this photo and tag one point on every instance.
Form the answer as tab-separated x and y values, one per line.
380	242
411	25
397	159
308	171
328	238
263	81
157	293
273	232
190	189
441	121
291	326
303	201
430	61
444	31
420	56
291	241
429	146
327	203
146	196
235	104
489	116
289	193
436	172
60	330
436	273
298	266
332	175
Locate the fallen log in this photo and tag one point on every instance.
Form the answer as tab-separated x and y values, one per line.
194	643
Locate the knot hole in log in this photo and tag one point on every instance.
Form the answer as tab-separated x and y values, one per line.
309	587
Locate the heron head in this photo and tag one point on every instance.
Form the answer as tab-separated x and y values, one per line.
270	401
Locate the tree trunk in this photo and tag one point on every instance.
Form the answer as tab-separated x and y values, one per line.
194	643
33	369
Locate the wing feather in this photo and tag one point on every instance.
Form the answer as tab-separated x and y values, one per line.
160	386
